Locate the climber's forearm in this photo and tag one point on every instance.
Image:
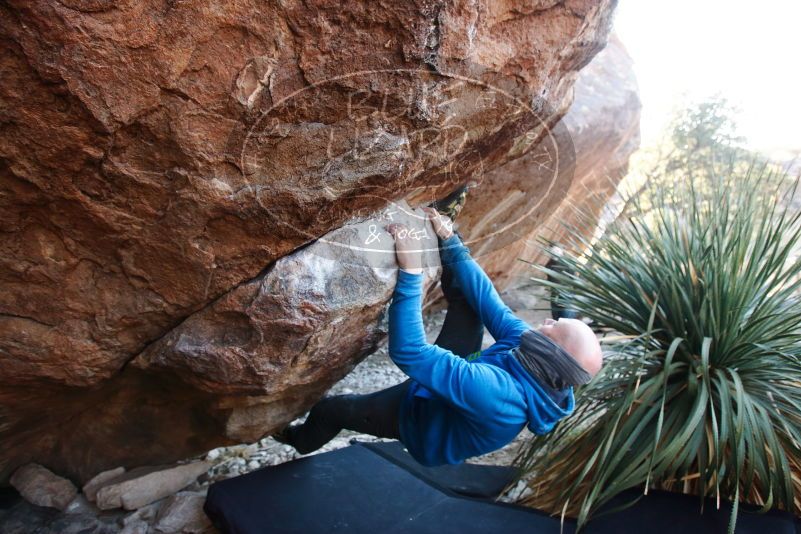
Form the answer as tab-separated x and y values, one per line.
408	347
406	332
479	291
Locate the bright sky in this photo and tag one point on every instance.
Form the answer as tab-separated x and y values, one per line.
747	51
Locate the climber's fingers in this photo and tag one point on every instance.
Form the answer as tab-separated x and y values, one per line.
406	249
442	224
397	230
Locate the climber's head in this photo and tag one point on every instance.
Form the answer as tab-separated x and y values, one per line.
577	339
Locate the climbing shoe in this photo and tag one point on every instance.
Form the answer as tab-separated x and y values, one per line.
284	435
452	204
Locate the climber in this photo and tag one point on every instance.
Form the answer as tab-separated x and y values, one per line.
459	401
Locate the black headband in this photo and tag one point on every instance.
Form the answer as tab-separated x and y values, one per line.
548	362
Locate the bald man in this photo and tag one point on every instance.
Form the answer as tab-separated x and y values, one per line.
460	401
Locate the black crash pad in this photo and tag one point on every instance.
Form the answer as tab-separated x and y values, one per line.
380	488
483	481
355	490
662	512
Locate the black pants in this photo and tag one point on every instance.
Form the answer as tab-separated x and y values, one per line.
377	413
560	305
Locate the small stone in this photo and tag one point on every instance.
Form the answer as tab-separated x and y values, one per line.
213	454
143	486
146	514
78	524
81	505
253	464
196	486
183	513
135	527
40	486
25	518
99	480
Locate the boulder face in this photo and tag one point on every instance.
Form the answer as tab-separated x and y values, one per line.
286	329
185	190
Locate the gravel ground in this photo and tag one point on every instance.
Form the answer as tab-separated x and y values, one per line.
376	372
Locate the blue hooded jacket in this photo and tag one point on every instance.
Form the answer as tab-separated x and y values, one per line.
455	407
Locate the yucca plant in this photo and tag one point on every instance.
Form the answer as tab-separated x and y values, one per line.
698	299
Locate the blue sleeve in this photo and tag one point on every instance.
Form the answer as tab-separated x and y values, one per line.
478	390
477	288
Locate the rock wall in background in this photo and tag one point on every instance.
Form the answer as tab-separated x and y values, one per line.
603	127
167	170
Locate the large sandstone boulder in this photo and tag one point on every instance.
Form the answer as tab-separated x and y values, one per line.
167	171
